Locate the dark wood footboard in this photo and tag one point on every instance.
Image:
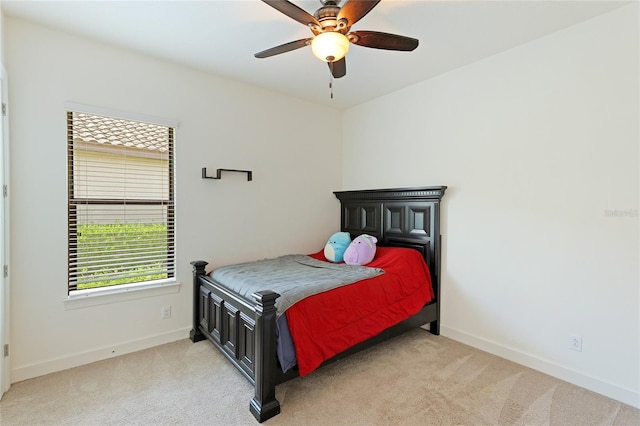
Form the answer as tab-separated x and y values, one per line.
244	331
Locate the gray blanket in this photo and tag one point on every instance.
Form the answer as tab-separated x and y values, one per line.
293	277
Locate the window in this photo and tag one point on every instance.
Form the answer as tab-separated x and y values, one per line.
120	201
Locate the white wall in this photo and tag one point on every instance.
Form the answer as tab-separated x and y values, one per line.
536	144
288	207
2	37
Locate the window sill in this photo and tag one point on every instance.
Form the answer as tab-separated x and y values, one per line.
102	296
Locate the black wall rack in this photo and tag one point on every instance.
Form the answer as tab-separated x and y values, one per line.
219	173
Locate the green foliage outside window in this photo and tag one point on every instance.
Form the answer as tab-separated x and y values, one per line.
115	250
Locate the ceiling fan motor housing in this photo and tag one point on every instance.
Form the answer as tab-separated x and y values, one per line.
327	15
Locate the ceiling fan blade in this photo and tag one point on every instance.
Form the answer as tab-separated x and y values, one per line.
354	10
378	40
338	68
287	47
293	11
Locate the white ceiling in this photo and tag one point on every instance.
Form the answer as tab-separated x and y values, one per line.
221	36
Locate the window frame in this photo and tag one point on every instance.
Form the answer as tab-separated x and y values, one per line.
150	286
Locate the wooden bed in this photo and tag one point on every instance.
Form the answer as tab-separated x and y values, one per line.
245	330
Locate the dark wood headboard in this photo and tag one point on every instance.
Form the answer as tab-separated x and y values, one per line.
398	217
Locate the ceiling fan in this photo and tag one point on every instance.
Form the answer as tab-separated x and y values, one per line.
331	26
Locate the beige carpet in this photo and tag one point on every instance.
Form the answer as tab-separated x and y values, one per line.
416	379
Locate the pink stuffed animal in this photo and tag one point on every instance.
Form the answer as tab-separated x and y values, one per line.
361	251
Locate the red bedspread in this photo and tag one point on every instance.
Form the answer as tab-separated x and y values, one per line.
328	323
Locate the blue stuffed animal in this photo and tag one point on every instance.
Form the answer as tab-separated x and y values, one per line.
335	247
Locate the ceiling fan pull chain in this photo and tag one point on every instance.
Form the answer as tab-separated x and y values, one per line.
331	78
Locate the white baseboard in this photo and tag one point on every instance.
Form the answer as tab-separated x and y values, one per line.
625	395
30	371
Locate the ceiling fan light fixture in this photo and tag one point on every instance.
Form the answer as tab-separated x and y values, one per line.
330	46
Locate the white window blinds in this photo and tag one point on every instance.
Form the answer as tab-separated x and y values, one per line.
121	213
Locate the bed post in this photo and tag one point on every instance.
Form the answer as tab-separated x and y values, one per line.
264	404
434	327
198	270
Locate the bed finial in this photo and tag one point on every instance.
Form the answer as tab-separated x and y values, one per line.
198	270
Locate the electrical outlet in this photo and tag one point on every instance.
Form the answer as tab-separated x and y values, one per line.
575	342
165	312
